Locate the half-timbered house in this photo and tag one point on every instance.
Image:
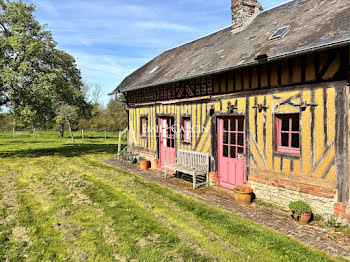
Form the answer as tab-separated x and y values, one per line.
267	97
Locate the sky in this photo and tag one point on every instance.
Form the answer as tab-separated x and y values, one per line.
112	38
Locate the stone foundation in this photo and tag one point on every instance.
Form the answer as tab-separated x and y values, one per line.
323	201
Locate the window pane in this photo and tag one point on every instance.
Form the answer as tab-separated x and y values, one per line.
225	124
187	127
285	124
233	152
295	140
225	138
168	142
240	141
233	138
240	154
240	125
233	125
295	123
284	139
225	151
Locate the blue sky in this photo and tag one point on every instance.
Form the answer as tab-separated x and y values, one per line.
111	38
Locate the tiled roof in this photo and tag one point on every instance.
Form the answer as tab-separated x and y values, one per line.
313	24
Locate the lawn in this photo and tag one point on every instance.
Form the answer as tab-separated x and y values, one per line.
58	202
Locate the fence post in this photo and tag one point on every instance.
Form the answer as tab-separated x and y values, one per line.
120	141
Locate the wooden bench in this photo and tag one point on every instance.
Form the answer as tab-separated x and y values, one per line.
124	155
191	163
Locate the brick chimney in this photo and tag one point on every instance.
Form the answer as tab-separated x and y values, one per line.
244	12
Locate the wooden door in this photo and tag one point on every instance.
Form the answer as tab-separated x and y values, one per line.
166	140
231	152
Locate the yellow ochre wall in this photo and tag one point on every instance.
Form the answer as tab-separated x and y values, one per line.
263	154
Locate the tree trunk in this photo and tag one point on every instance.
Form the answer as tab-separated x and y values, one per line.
70	131
13	132
105	135
61	131
33	129
82	133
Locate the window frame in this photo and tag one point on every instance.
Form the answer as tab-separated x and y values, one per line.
289	149
186	119
143	121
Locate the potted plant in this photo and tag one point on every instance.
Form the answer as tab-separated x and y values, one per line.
243	195
301	211
143	163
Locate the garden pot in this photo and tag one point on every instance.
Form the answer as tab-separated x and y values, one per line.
243	197
144	164
213	178
305	218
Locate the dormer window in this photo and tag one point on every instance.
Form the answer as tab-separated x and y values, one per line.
279	33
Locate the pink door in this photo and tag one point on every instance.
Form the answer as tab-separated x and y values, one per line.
166	140
231	152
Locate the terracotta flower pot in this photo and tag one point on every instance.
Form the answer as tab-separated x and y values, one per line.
213	178
305	218
243	195
144	164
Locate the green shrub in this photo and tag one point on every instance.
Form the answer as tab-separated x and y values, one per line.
334	224
317	218
299	207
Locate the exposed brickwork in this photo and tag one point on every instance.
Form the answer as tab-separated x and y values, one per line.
147	155
299	187
340	210
244	11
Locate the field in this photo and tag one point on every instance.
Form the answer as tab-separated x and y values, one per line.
58	202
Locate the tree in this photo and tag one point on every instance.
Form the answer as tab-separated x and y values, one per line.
67	115
116	115
112	118
96	94
35	77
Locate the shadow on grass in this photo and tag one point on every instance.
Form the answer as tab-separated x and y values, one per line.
69	150
14	141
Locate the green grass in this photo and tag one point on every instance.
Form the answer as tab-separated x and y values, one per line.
58	202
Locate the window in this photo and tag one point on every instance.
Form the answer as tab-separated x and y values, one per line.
186	130
279	33
288	133
233	138
143	130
